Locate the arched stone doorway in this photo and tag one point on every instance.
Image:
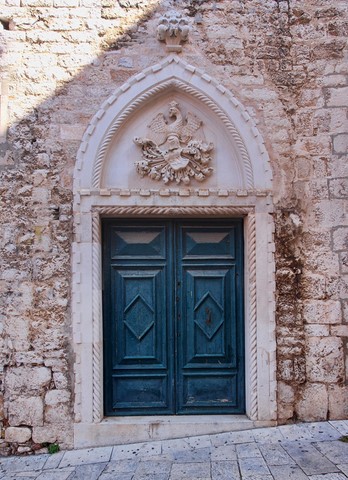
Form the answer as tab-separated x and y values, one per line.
112	181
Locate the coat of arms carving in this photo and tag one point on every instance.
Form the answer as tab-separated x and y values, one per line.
174	151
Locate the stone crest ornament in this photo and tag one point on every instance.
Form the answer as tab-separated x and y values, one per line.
172	153
173	29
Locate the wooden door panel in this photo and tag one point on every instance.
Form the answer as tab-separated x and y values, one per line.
138	241
142	393
140	331
211	392
206	309
198	242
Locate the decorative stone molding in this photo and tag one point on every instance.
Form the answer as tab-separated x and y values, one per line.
194	211
252	316
172	74
141	99
173	192
172	151
97	320
173	29
184	211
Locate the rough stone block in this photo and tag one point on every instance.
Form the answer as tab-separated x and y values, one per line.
72	132
286	393
46	434
338	402
313	404
55	397
325	360
313	330
17	434
26	380
57	408
65	3
285	370
36	3
345	310
340	143
322	311
60	380
340	239
320	145
339	331
334	80
285	411
337	97
327	214
318	188
338	120
26	411
313	286
338	187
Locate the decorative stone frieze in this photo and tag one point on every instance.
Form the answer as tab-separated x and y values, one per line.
173	29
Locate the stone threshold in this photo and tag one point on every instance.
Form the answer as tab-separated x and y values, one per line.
125	430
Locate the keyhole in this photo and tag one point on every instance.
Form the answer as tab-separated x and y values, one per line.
208	313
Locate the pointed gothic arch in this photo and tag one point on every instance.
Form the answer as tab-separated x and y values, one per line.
166	79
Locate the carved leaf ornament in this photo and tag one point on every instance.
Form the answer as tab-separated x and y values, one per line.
172	153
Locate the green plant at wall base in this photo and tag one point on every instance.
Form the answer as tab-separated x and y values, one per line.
53	448
344	439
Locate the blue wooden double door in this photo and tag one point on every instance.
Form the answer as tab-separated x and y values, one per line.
173	317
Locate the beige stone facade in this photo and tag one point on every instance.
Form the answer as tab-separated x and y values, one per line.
81	78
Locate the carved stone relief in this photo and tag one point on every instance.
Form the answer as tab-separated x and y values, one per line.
173	29
174	151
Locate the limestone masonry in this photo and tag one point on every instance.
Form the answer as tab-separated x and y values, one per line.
272	72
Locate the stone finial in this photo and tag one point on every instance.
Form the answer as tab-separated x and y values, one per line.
173	29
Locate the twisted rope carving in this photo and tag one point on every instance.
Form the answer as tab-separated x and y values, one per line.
174	211
191	91
252	320
96	312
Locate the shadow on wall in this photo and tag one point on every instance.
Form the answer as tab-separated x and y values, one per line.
58	66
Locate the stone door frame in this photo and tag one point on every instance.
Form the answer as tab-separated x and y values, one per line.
92	201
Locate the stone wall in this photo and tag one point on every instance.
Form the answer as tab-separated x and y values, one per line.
286	61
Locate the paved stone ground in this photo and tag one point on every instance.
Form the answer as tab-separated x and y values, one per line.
291	452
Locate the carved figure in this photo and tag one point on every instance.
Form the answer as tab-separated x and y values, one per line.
173	29
172	153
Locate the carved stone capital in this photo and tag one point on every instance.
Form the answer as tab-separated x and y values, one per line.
173	29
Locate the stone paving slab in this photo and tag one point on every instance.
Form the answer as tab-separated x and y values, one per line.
336	452
329	476
293	452
57	474
224	452
309	458
287	472
344	467
225	470
253	467
85	456
190	471
275	455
